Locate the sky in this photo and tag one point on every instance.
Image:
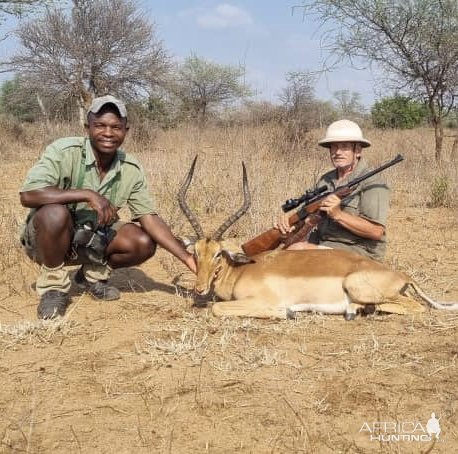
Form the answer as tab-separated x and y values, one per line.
269	38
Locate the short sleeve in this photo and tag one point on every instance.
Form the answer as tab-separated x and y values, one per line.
46	172
375	201
140	201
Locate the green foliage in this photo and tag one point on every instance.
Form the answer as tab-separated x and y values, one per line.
451	121
398	112
439	192
201	84
17	101
162	109
411	42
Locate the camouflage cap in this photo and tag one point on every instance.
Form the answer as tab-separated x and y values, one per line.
98	103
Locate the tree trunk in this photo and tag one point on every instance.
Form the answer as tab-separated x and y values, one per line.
202	119
454	153
43	111
438	135
85	98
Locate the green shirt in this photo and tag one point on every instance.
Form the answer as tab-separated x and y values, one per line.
370	201
60	167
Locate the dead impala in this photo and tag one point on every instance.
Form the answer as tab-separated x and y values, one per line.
276	284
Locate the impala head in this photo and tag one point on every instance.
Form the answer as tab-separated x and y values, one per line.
211	256
212	260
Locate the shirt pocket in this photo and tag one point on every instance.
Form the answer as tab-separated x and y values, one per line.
351	204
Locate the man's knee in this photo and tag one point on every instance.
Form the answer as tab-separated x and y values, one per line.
132	240
53	218
46	237
146	245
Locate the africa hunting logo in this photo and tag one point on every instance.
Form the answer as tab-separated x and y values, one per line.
395	431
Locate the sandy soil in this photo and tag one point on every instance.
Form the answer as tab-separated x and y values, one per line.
156	372
153	373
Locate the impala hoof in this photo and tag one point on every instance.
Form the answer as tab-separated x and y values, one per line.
369	309
350	316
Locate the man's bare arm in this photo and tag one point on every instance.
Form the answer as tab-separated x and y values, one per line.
106	212
160	233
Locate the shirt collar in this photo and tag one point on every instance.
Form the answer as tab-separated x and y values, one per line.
90	156
360	168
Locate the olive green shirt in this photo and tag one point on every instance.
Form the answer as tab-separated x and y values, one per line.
61	164
370	200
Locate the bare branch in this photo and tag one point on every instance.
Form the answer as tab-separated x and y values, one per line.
413	42
99	47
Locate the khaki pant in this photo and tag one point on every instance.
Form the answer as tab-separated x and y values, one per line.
58	278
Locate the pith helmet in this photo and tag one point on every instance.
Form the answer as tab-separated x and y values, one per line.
343	131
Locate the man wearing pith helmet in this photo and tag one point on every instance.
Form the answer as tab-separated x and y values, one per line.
358	222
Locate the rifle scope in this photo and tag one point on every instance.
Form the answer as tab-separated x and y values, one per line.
308	195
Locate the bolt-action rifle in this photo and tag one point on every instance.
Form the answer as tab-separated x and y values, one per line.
308	213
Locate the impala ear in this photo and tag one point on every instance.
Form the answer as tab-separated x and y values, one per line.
238	258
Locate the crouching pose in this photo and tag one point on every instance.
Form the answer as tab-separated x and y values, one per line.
74	192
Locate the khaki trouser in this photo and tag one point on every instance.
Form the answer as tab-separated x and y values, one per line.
53	279
58	278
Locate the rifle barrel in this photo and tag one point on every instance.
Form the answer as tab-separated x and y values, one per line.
379	169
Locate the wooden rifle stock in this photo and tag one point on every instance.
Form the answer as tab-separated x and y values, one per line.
272	238
267	240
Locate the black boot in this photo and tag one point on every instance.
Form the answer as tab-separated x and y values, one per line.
99	290
53	303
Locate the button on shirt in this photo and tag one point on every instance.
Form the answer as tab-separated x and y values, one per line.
60	167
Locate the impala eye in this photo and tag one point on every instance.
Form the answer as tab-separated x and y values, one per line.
218	255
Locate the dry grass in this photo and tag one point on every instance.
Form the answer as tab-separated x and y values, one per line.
154	373
35	332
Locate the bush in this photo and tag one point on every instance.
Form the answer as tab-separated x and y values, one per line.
18	101
398	112
439	192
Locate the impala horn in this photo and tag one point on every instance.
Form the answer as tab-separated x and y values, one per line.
184	206
240	212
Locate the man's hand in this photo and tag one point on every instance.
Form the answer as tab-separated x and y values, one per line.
282	224
190	262
106	212
331	206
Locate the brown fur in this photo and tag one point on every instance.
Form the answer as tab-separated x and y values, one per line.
330	281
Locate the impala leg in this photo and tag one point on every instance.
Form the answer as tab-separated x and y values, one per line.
345	306
373	286
249	307
383	288
350	313
402	305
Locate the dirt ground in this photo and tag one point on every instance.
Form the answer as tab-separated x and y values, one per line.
156	372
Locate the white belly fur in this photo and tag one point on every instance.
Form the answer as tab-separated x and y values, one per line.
324	308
